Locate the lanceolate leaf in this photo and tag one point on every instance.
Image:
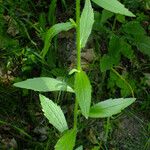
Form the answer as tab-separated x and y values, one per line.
114	6
67	141
86	22
53	113
83	92
110	107
44	84
53	31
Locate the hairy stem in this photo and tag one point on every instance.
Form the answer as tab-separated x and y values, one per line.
78	46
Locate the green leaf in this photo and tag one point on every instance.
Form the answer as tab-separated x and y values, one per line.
83	92
53	113
67	141
147	4
86	23
106	63
147	76
126	50
114	6
79	148
44	84
96	148
124	88
113	56
114	80
114	46
105	16
73	71
139	37
143	44
134	28
42	20
120	18
64	4
51	12
110	107
53	31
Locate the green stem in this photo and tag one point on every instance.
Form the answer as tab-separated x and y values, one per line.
75	114
114	24
107	129
21	131
78	46
129	86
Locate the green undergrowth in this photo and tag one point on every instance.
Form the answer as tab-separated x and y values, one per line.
116	60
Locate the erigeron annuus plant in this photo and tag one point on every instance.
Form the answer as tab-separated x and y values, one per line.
82	87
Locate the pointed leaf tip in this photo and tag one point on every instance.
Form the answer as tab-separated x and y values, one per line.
53	113
44	84
86	23
110	107
83	92
114	6
67	141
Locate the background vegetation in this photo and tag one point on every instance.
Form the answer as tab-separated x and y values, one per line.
116	41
